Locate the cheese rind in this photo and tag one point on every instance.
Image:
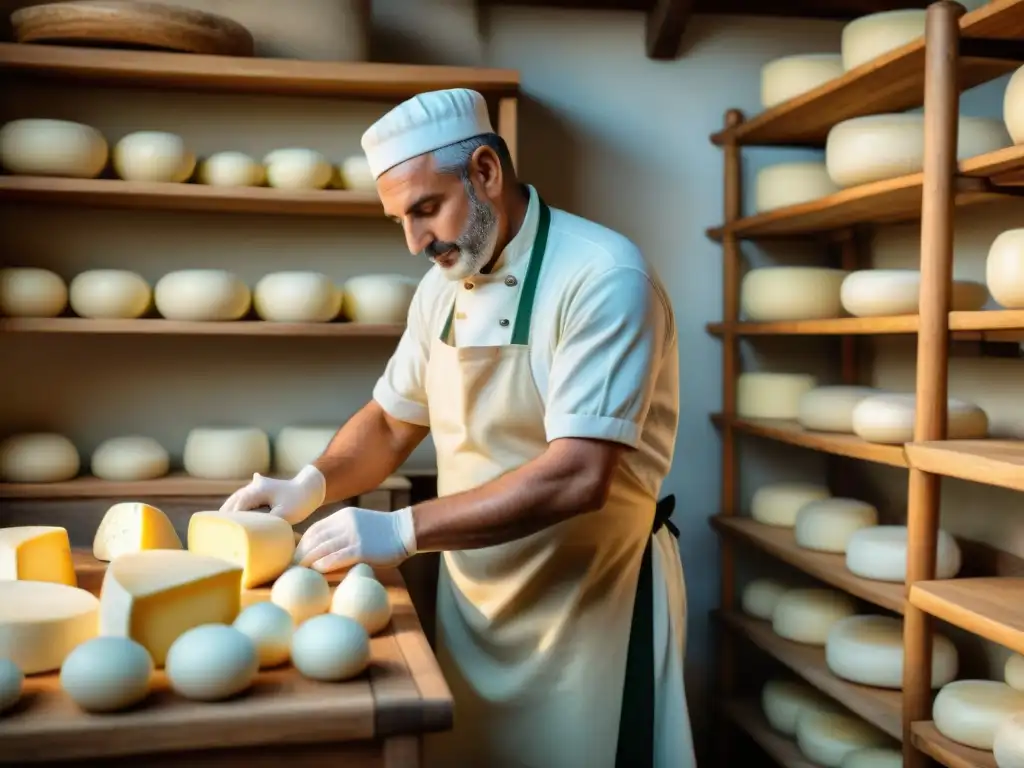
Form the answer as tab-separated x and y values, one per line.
764	395
231	169
1013	106
868	37
884	292
760	597
777	294
109	293
38	457
130	458
156	156
297	168
830	409
784	700
807	615
295	447
778	503
260	543
785	184
37	553
890	419
215	453
201	295
381	299
131	526
826	738
969	711
296	297
787	77
1004	266
880	553
827	525
44	147
42	622
31	292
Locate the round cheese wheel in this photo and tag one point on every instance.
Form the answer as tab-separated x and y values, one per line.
873	757
1013	672
790	76
11	681
356	174
363	599
869	650
783	184
153	156
211	662
784	700
295	447
830	409
881	292
1013	106
295	168
41	622
880	553
361	569
296	297
230	169
772	294
827	525
302	592
779	503
381	299
130	458
38	457
876	34
969	711
763	395
109	293
890	419
807	615
52	148
31	292
760	597
1008	742
270	628
201	295
1004	268
876	147
107	674
330	647
826	738
214	453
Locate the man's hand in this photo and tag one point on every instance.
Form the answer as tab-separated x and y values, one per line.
292	500
353	535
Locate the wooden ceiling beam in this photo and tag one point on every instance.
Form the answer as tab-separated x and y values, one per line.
666	23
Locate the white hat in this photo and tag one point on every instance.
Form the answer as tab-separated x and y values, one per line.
422	124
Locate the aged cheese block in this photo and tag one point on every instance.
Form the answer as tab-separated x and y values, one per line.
890	419
969	711
109	293
295	447
381	299
826	738
201	294
882	292
223	453
1008	742
1013	106
779	503
260	543
37	147
211	663
42	622
363	599
330	648
830	409
807	615
1004	268
772	294
31	292
828	524
880	553
783	184
784	700
11	680
762	395
302	592
37	553
790	76
38	457
153	156
131	526
297	297
295	168
107	674
270	628
130	458
231	169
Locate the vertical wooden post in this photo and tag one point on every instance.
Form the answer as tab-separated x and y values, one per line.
941	109
850	260
508	126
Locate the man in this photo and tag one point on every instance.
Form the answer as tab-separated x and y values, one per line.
540	353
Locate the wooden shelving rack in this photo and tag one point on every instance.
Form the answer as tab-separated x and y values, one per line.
958	51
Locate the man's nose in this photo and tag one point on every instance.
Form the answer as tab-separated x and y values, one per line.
416	238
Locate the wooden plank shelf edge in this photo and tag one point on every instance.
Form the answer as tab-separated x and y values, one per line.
927	738
160	326
966	326
747	716
991	462
992	608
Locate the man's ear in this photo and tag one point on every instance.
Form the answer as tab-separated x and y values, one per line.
485	169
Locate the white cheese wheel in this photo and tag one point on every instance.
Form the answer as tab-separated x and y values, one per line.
131	526
876	147
827	525
261	543
230	169
52	148
214	453
1013	672
302	592
11	680
830	409
880	553
779	503
881	292
130	458
807	615
764	395
107	674
37	553
784	184
363	599
826	738
295	447
295	168
201	294
211	662
270	628
790	76
153	156
1008	742
356	174
296	297
969	711
38	457
381	299
361	569
784	700
1013	106
330	648
869	650
109	293
760	597
890	419
1004	267
42	622
873	757
871	36
772	294
31	292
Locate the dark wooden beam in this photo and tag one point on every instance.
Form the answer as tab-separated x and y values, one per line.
666	23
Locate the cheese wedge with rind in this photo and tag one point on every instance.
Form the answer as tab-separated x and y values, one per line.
37	553
42	622
260	543
132	526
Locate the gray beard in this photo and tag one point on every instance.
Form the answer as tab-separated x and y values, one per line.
477	241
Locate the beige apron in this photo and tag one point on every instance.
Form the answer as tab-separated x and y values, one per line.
533	635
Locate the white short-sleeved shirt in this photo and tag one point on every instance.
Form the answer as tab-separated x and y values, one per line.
603	345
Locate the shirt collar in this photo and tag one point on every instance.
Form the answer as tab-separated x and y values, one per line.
516	255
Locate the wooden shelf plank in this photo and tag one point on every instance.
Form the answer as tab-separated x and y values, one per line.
839	445
234	74
927	739
891	83
261	328
991	608
994	164
831	569
964	325
992	462
880	707
747	716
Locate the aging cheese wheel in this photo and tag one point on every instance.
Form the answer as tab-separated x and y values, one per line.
107	674
211	662
31	292
827	525
880	553
790	76
11	680
38	457
881	292
356	174
230	169
270	628
52	148
131	526
295	168
1004	268
869	650
807	615
826	738
771	294
873	757
201	294
1013	106
890	419
969	711
783	184
295	447
302	592
760	597
365	600
109	293
261	543
41	623
830	409
1008	742
784	700
1013	672
779	503
214	453
297	297
876	34
763	395
153	156
381	299
130	458
330	648
37	553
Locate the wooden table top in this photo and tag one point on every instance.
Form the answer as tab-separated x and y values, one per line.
403	692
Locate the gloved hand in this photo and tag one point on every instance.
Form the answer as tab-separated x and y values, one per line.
292	500
353	535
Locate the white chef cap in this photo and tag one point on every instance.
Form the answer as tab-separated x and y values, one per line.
422	124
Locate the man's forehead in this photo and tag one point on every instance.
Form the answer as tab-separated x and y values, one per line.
400	187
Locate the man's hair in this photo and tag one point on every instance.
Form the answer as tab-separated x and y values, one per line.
454	158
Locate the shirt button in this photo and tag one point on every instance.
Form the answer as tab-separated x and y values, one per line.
467	286
503	322
511	281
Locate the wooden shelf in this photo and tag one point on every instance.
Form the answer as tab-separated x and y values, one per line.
891	83
991	608
748	717
260	328
233	74
793	434
992	462
878	706
948	753
831	569
966	326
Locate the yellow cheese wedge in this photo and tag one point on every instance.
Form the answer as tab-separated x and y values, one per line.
36	553
259	542
133	527
155	595
41	623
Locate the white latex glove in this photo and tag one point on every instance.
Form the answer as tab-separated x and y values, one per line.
353	535
292	500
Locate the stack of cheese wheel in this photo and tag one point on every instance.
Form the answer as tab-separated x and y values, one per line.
807	615
890	419
760	597
828	737
772	294
970	711
828	524
779	504
38	457
1013	107
830	409
880	553
783	701
790	76
383	299
53	148
297	446
231	169
882	292
110	294
1008	742
297	168
296	297
215	453
202	295
784	184
1004	268
130	458
763	395
153	156
31	292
